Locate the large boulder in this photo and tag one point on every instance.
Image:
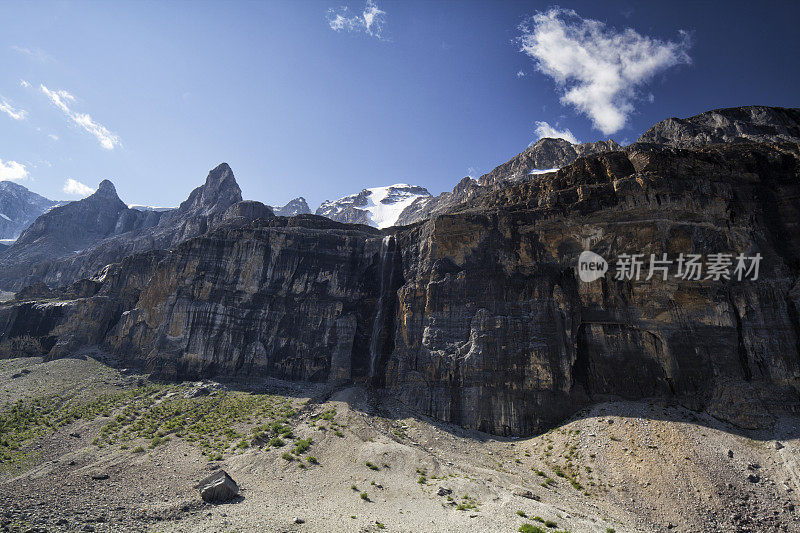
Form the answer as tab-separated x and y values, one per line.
218	487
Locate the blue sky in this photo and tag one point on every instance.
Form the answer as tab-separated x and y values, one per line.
308	98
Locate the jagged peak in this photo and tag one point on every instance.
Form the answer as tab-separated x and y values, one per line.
220	189
106	187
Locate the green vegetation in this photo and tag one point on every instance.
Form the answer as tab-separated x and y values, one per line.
371	466
364	496
152	415
530	528
522	514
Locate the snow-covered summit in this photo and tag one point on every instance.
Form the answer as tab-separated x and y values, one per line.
379	207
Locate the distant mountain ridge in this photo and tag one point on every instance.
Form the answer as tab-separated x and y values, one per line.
19	207
77	239
296	206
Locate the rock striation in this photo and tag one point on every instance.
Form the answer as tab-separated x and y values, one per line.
477	316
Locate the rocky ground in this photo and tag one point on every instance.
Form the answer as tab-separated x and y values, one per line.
369	465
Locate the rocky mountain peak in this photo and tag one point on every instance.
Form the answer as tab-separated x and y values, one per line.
219	192
296	206
105	192
728	125
545	154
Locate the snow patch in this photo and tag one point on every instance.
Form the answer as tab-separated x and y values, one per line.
543	171
5	217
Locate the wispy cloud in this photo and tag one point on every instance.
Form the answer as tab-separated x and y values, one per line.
11	111
521	74
597	68
24	83
53	136
76	188
34	53
12	171
62	100
371	21
543	129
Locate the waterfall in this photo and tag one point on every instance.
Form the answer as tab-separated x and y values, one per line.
377	324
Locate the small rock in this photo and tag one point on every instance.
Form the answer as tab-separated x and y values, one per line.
97	476
730	454
753	478
75	435
218	487
526	494
778	445
298	520
444	491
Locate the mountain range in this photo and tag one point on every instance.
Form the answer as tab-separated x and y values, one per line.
474	315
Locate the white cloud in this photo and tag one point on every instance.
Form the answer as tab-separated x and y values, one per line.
12	171
76	188
62	99
521	74
11	111
24	83
371	20
543	129
597	68
53	136
34	53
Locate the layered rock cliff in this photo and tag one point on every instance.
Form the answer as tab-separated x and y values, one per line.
477	316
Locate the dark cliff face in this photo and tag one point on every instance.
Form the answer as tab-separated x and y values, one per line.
477	316
291	298
75	240
731	125
494	330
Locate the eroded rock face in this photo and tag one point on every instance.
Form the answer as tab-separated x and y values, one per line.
494	330
291	298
